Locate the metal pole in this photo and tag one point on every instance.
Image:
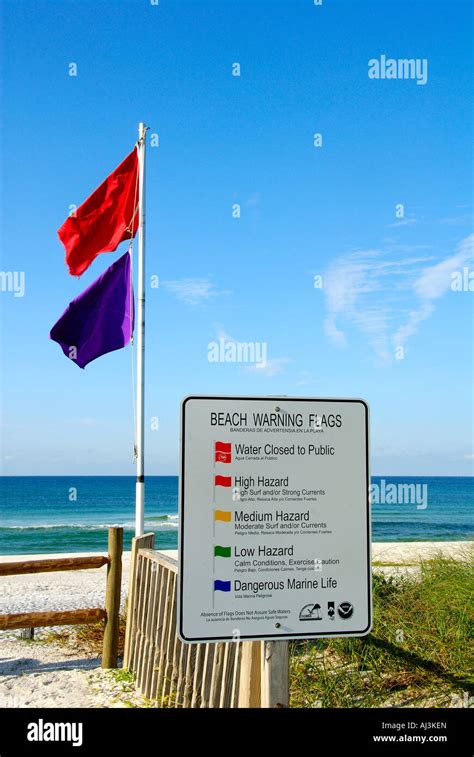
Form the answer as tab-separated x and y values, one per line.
140	430
250	675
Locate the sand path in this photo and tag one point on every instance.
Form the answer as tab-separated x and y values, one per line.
39	674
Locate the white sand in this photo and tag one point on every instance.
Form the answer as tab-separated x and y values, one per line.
34	674
43	674
412	551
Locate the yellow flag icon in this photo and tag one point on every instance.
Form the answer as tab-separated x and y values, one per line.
224	515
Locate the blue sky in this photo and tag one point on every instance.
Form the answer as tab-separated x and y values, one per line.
304	211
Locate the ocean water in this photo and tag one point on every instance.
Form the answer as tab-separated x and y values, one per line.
71	514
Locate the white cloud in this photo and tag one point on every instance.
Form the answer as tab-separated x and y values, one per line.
408	329
193	291
253	200
269	367
402	222
333	333
355	287
435	280
222	334
386	299
432	283
461	220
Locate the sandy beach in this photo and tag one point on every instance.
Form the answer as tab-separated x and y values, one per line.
60	675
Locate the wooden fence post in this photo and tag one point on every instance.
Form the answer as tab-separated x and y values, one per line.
249	689
112	598
275	674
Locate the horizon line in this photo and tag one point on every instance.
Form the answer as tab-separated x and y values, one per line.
176	475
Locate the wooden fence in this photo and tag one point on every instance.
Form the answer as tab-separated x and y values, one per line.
110	615
174	674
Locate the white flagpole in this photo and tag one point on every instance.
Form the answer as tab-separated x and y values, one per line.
140	429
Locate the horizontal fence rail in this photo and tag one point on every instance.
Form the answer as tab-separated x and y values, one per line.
30	620
169	672
52	564
45	619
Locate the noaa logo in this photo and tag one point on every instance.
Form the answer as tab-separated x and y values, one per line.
345	610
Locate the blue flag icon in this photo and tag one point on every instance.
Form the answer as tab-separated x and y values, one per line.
222	585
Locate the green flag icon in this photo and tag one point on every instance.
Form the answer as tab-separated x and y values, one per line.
221	551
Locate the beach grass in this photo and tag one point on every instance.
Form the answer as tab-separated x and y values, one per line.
419	653
87	638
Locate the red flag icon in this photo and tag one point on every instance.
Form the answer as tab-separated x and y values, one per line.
223	481
223	452
105	219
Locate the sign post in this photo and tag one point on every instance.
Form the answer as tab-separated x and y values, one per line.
274	520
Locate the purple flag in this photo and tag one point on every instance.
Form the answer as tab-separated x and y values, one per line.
100	320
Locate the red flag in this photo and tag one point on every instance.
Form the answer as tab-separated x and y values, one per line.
105	219
223	452
223	481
